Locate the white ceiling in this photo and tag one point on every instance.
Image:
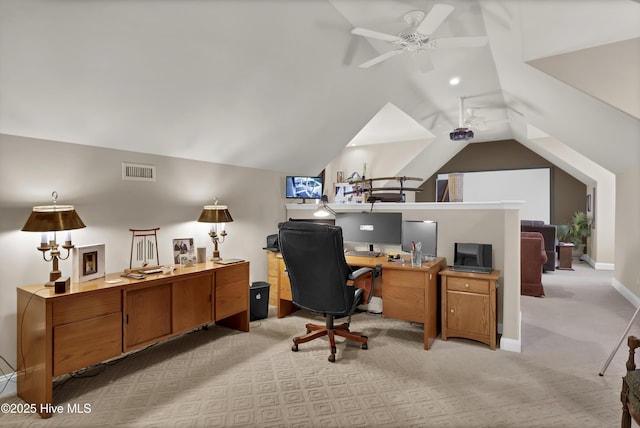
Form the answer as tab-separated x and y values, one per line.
275	84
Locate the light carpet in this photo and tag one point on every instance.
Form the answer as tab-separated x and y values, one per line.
223	378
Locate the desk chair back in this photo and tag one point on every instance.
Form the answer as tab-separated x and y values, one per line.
318	272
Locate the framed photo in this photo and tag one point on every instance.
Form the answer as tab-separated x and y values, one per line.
184	253
88	262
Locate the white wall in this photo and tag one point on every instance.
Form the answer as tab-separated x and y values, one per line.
627	236
90	179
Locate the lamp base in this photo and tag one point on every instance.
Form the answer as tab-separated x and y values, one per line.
216	255
53	275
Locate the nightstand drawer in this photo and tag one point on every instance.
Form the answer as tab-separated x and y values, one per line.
471	285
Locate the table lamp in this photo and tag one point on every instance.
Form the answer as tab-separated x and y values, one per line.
218	215
50	219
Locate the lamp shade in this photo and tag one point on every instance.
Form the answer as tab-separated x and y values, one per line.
215	214
51	218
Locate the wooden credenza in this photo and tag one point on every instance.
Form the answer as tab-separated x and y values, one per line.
469	305
408	292
101	319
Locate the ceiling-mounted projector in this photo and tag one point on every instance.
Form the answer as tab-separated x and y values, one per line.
461	134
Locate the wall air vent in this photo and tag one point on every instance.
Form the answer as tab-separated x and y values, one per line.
138	172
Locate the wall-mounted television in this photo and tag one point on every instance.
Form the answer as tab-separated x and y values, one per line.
303	187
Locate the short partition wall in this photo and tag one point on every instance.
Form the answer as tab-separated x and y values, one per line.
495	223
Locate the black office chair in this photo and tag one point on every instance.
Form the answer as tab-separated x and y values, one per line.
322	281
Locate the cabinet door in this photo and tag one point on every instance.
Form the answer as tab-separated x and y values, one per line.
192	303
468	312
148	315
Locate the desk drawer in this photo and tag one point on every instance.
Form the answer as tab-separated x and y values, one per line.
233	273
472	285
78	308
80	344
403	295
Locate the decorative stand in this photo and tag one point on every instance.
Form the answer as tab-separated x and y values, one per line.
144	244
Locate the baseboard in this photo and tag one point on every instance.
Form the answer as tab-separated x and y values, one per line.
597	265
8	385
510	345
513	345
604	266
635	300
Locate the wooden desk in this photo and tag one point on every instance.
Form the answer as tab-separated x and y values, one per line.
408	292
98	320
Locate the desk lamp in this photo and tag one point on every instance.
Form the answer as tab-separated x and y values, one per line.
218	215
324	210
50	219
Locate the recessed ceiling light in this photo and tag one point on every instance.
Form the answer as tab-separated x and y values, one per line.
454	81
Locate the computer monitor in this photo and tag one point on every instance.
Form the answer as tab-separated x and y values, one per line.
371	227
425	232
303	187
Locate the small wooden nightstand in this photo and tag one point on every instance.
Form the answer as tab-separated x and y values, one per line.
565	251
469	305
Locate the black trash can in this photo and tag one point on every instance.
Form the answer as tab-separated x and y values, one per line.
259	300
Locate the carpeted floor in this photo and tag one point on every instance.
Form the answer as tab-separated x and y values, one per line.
222	378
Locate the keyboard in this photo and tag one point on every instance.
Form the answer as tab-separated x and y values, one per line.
363	253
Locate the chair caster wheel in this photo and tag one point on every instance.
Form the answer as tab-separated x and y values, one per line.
332	358
294	348
364	346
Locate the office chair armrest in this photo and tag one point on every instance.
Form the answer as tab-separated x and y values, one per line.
362	278
359	272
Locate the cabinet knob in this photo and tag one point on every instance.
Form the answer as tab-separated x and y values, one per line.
451	310
466	285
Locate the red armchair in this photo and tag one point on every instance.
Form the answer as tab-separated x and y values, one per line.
532	259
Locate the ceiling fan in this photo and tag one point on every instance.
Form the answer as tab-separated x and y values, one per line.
420	39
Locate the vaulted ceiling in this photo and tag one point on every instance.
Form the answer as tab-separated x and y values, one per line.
276	84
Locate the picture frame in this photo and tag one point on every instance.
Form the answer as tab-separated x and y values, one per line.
184	252
88	262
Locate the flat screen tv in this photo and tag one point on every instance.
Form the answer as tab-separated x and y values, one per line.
371	227
425	232
303	187
473	258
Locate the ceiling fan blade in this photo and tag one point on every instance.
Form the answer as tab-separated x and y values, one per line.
380	58
457	42
432	21
375	35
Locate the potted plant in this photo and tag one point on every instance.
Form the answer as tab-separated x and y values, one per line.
576	231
